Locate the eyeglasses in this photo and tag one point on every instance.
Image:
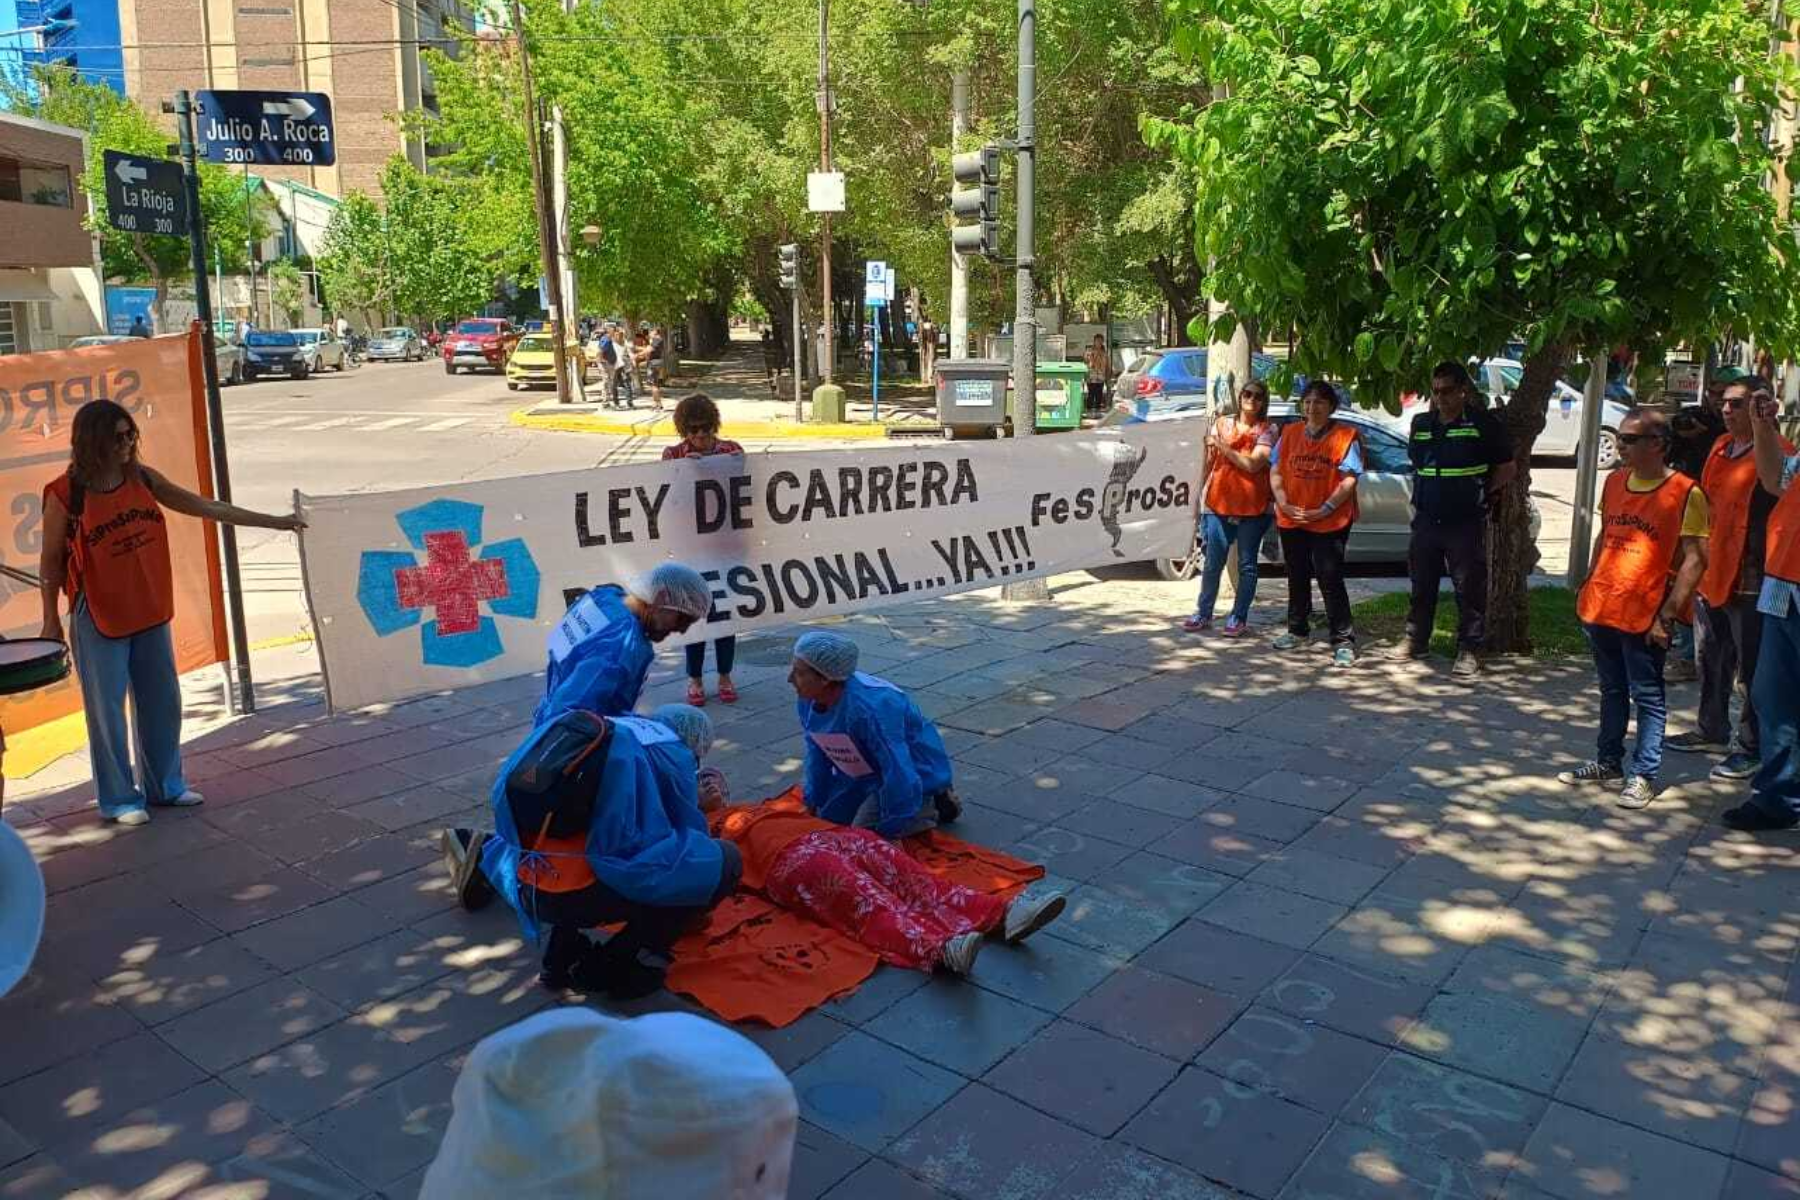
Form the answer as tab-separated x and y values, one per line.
1452	390
1632	439
126	437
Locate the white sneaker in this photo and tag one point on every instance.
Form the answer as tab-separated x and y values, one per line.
1028	914
187	799
958	954
136	816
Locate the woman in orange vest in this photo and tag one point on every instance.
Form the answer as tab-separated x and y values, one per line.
1653	529
106	545
1313	472
1238	506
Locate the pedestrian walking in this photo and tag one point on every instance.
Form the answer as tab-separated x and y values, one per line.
1775	790
628	368
609	368
697	421
1313	471
1727	627
1461	459
106	545
771	352
1099	372
138	328
1649	556
1239	507
652	363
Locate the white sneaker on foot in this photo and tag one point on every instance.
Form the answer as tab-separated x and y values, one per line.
136	816
1028	914
187	799
958	954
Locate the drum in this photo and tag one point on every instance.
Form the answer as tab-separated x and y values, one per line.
27	663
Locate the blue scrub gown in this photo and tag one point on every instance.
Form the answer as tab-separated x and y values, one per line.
902	752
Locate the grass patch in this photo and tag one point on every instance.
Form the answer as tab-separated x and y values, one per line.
1555	630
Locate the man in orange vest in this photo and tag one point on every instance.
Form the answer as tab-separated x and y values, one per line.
1775	792
1312	472
1727	627
1653	528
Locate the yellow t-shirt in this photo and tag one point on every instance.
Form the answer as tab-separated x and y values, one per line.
1696	519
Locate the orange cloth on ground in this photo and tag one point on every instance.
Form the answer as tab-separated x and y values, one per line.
754	961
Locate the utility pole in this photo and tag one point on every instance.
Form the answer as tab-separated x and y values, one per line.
1024	372
959	265
240	690
799	350
547	252
825	165
569	295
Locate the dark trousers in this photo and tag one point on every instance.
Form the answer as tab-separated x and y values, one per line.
1631	673
1726	641
724	651
1096	395
1318	556
1776	787
648	927
1458	549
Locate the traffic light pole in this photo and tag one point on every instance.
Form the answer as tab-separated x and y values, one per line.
241	691
1024	372
959	266
825	165
799	349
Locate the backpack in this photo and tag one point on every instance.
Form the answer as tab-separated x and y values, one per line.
609	353
552	788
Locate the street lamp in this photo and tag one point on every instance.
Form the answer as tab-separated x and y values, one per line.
590	233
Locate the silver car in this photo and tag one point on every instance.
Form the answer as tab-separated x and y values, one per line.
228	356
320	348
396	344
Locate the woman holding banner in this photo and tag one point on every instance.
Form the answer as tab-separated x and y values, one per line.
697	421
106	546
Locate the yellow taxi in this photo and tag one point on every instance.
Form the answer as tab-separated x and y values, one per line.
533	362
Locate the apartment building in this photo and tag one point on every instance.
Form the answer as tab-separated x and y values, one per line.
50	291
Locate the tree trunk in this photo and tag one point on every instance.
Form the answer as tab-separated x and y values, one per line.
1181	295
1511	552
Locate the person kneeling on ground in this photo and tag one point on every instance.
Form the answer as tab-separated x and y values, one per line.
572	1103
601	652
598	820
867	888
872	759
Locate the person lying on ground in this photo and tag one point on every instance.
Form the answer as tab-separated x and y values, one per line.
866	887
601	652
872	759
597	820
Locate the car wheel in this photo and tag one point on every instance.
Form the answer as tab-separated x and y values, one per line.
1177	569
237	373
1609	449
511	386
449	370
342	364
302	371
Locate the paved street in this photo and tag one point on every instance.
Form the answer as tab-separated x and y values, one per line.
1333	936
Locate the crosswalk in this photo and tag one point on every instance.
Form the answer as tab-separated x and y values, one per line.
366	422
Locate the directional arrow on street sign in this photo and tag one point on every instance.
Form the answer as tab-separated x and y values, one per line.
266	128
144	195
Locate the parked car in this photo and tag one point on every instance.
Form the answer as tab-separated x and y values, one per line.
396	344
532	362
1498	377
101	339
274	352
1173	379
228	360
479	343
321	349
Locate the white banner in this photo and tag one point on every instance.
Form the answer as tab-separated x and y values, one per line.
432	588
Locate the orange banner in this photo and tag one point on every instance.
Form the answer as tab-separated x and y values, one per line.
158	380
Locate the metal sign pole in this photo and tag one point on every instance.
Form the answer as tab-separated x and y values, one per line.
1587	471
875	341
242	692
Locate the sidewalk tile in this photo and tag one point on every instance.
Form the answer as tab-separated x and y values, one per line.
959	1026
392	1131
14	1146
132	938
1079	773
878	1180
1665	1092
1056	736
1354	1163
1497	1038
792	1046
880	992
251	1023
1118	821
1245	1139
1218	958
1116	1171
986	826
1321	876
983	1144
371	860
82	1094
1490	970
1745	1182
868	1093
145	1150
1135	753
820	1162
1170	1016
365	783
240	906
334	1066
1575	1155
1308	1064
310	834
1177	798
1072	855
426	802
48	1020
1423	942
382	969
1083	1077
1164	885
1225	850
1377	845
1367	1004
315	932
168	985
1446	1112
1046	972
1769	1134
1262	819
1108	923
1287	918
1030	799
282	1167
418	895
1320	793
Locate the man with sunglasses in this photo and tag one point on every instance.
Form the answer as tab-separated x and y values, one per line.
1649	555
1727	627
1775	791
1461	458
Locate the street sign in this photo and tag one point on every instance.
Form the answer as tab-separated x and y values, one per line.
266	128
144	195
825	191
878	283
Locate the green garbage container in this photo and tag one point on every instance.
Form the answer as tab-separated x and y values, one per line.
1060	394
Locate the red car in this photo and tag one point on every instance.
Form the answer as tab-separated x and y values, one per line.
479	343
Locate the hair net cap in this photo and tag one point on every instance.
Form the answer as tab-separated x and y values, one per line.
675	586
573	1103
690	725
830	654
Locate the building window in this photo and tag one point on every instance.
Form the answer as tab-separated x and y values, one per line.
9	339
35	183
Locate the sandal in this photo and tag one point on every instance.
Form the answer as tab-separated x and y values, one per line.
727	693
696	695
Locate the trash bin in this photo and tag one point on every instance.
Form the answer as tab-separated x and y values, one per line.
1061	388
971	396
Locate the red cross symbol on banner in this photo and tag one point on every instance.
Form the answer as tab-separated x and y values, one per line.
452	582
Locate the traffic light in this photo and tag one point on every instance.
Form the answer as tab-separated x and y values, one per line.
790	266
977	195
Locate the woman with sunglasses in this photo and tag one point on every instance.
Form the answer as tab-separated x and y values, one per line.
106	546
1239	506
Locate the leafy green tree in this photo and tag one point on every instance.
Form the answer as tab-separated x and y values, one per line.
1405	181
287	290
113	122
354	264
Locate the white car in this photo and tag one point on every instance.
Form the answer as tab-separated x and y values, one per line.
1562	421
320	348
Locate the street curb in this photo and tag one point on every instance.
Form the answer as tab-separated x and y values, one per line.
661	425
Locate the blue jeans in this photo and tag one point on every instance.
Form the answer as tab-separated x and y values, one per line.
108	669
1631	672
1219	534
1776	788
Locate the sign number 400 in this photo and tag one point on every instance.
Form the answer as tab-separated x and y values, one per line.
299	155
131	223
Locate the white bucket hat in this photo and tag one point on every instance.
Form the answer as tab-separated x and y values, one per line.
571	1104
21	907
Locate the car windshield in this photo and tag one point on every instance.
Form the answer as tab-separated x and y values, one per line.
538	344
478	327
306	337
397	334
262	338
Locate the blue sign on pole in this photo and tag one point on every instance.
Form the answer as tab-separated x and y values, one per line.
126	304
266	128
